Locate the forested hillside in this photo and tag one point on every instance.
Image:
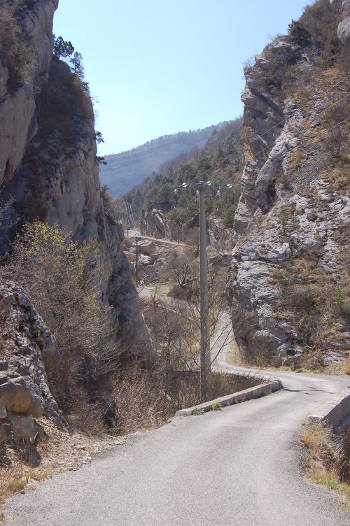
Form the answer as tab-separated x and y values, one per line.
163	198
125	170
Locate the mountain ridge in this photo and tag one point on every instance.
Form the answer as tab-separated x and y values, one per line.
127	169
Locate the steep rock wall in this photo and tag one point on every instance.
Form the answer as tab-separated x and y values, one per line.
25	56
51	151
290	282
26	344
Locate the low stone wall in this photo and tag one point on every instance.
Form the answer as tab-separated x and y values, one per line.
335	412
235	398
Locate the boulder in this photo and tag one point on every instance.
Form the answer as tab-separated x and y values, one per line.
23	428
23	382
3	411
18	397
344	30
344	25
145	260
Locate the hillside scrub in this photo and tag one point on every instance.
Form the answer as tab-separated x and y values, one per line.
328	460
221	161
63	281
91	382
125	170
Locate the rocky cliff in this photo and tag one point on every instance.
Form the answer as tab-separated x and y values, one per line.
290	282
48	166
26	347
25	56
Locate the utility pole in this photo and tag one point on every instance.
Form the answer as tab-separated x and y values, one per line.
204	302
136	260
205	358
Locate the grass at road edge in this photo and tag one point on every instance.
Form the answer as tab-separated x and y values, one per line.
328	459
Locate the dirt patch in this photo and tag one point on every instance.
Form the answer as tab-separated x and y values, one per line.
59	451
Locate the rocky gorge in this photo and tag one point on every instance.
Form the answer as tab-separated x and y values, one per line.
49	172
289	209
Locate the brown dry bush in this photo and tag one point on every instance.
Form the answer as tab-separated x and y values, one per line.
329	451
141	403
63	282
317	305
175	334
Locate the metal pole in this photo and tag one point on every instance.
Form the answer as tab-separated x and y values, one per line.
204	304
136	260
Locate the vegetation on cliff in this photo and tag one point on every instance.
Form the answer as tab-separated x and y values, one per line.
125	170
220	161
292	218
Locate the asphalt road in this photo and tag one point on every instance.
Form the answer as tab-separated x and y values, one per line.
238	466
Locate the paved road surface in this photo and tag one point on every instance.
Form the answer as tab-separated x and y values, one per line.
157	240
239	466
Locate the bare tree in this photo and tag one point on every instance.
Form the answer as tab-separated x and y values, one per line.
63	281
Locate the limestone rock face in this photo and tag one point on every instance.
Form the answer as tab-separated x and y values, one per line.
26	50
153	224
27	344
53	173
291	211
344	25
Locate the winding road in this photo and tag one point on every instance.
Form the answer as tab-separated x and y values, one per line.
240	466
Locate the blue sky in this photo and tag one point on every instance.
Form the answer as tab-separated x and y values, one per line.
161	66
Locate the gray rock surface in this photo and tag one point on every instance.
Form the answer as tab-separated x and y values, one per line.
27	345
25	31
344	24
287	209
153	224
52	172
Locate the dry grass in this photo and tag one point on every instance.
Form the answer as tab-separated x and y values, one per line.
17	480
141	402
328	462
346	366
60	451
147	399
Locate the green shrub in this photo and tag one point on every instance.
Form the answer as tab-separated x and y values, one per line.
299	34
320	20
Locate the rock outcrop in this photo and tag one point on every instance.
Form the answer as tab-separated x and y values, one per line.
153	223
50	154
344	24
25	56
49	172
289	271
26	346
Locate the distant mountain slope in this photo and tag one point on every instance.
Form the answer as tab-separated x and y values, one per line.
128	169
220	160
